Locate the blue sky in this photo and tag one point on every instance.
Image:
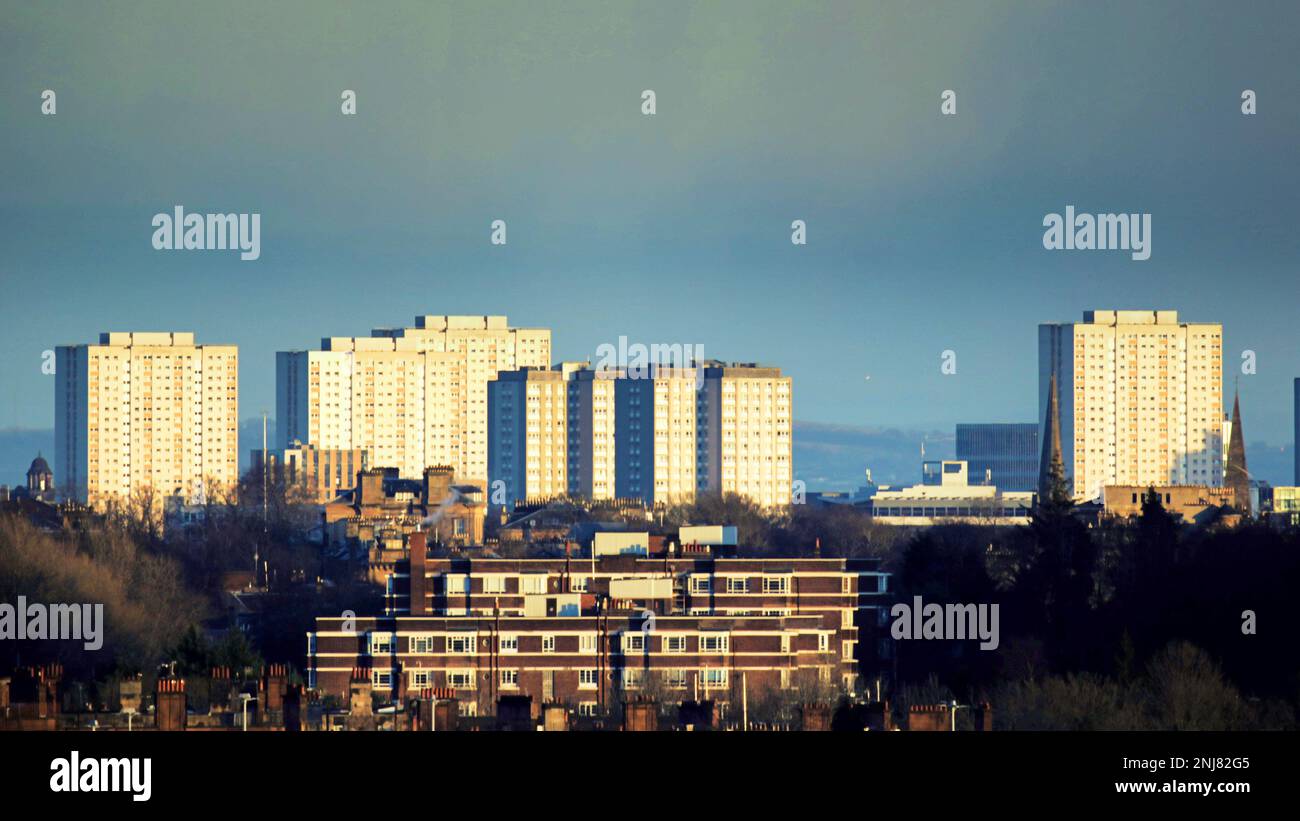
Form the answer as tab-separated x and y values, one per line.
924	231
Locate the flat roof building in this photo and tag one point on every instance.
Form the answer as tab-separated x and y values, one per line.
1140	397
580	630
950	498
146	412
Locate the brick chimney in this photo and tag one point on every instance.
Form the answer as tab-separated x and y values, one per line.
370	488
169	704
418	550
437	486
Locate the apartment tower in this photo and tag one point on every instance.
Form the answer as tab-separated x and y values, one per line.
1140	399
409	397
151	412
528	443
744	433
655	435
592	454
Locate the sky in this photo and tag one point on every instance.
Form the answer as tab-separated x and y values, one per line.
924	231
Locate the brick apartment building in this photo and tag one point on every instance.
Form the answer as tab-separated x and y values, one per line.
584	631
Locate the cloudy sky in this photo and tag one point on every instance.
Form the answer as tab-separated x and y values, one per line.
924	231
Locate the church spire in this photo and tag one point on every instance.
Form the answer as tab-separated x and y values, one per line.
1052	486
1236	474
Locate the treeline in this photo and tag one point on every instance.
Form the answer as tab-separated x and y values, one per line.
147	606
162	582
1141	624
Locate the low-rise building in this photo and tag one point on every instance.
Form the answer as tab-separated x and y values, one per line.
947	496
1193	504
581	631
1286	505
320	473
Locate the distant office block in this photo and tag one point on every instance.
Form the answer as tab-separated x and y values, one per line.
1001	454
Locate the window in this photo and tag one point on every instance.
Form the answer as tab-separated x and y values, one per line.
675	678
674	644
587	642
460	679
420	679
846	618
494	584
533	583
785	643
578	584
777	584
548	644
633	677
381	643
461	645
587	679
737	585
509	644
713	679
421	643
381	679
701	584
846	584
586	709
509	678
846	651
823	642
467	709
713	643
633	642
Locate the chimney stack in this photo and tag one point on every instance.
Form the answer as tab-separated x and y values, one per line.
418	563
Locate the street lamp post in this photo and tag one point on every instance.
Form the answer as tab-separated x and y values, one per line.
953	707
245	697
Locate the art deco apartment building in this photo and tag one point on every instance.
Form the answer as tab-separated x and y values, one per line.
656	450
1140	399
528	442
409	397
744	433
148	411
577	631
